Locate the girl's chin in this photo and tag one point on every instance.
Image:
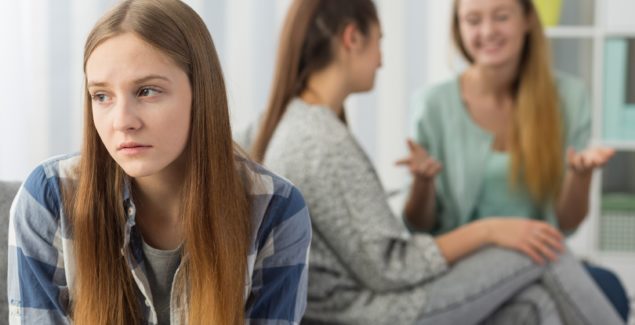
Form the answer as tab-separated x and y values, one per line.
493	62
138	171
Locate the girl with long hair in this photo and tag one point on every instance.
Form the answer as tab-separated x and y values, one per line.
365	268
159	219
510	135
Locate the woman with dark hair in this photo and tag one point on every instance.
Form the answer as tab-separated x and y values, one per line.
159	220
365	268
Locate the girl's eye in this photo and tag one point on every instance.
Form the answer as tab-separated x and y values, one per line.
501	17
148	91
100	98
471	20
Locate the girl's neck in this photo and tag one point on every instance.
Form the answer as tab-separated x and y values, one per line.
326	88
158	196
158	200
496	82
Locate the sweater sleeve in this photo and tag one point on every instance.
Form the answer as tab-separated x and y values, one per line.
350	211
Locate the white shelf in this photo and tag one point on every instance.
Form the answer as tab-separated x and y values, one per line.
618	145
612	19
621	33
571	32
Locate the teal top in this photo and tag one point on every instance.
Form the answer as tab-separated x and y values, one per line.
498	197
473	183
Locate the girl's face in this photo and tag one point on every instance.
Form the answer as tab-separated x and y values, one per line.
366	60
141	104
493	31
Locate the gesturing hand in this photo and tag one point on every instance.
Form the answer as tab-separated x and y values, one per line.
537	239
585	161
420	163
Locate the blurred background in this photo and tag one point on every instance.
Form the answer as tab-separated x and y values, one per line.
41	87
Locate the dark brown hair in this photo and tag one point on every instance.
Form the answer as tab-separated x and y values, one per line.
215	206
306	46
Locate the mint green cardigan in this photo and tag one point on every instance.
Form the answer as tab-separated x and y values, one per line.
444	127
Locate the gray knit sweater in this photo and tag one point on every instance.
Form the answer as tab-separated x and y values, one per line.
365	268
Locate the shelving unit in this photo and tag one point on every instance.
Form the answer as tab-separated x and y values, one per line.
581	49
571	32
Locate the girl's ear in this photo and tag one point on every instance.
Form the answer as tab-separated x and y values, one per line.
352	39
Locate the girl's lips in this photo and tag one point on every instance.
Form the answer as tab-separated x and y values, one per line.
134	150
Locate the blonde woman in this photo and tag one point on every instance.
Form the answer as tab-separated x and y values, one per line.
365	268
505	142
159	220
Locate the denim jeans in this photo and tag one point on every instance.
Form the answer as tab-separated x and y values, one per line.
483	288
612	288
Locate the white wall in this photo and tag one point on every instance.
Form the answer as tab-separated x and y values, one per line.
41	76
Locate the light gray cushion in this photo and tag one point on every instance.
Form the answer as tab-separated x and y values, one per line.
7	193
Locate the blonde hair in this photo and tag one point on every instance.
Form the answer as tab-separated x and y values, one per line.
536	144
215	209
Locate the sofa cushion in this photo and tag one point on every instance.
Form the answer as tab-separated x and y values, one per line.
7	193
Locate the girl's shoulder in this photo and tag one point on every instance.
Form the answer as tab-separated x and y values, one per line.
43	184
574	98
37	209
569	86
432	101
437	92
265	185
274	201
438	106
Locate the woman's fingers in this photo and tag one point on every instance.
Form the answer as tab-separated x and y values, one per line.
542	248
571	154
430	167
404	161
603	155
416	148
417	156
589	159
537	239
554	242
437	167
551	231
544	240
530	251
427	167
411	144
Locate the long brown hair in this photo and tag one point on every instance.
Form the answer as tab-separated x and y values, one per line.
215	208
306	46
536	142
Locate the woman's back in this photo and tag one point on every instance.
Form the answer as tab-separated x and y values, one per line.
364	266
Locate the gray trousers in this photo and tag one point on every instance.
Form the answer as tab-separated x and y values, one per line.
532	306
499	286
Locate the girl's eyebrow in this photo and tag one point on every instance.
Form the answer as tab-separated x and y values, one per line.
151	77
137	81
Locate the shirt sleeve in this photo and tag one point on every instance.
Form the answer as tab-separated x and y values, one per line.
418	130
36	283
577	106
422	132
351	213
279	281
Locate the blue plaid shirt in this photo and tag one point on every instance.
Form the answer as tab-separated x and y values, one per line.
41	262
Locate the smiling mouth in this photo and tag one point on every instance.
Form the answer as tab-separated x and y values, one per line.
492	46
